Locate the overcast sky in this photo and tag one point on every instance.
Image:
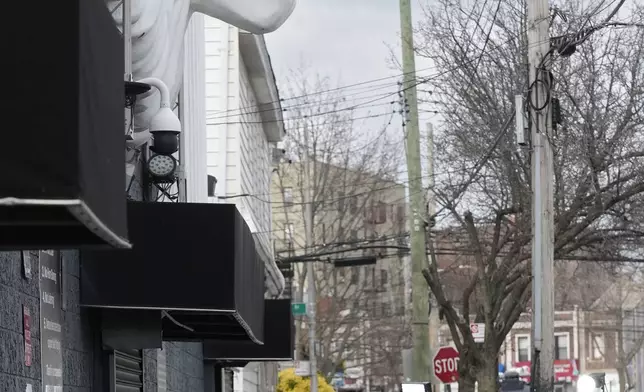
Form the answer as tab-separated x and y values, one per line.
349	41
346	40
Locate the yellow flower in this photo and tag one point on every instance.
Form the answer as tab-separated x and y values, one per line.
288	381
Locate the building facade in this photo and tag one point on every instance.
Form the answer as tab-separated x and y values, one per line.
78	331
243	125
360	308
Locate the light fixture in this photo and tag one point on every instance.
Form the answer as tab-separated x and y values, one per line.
162	167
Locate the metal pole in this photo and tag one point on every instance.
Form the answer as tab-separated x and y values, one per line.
420	291
127	38
434	322
542	202
308	223
127	54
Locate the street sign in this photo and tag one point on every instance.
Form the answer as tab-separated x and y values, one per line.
478	332
446	365
302	368
298	308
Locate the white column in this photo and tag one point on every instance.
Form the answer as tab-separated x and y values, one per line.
193	111
575	332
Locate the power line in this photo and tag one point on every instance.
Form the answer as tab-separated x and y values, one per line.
418	82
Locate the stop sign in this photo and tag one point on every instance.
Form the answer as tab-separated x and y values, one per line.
446	365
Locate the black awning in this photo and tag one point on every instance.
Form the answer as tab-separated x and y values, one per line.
63	186
278	339
196	261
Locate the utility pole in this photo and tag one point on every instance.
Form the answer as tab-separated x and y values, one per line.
420	291
542	197
434	322
310	271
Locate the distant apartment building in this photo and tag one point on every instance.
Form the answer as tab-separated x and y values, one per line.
361	307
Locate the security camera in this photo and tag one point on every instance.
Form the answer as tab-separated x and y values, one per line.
165	126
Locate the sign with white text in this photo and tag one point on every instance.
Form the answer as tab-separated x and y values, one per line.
478	332
51	321
446	365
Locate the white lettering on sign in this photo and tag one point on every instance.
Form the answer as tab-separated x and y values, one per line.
49	273
53	344
48	298
54	372
52	326
447	365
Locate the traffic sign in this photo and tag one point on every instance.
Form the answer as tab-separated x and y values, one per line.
298	308
446	365
478	332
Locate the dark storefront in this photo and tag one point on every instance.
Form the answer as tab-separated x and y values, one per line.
121	279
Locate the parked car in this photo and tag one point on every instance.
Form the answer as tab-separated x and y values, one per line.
512	382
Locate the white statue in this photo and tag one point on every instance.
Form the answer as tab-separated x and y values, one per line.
158	28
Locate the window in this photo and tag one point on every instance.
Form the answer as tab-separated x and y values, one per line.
598	345
355	275
523	348
385	309
288	197
400	214
353	205
381	213
371	277
562	346
383	277
353	235
340	201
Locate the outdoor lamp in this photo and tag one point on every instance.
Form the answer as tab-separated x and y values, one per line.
162	167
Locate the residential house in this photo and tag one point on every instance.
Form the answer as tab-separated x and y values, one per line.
243	125
618	319
360	308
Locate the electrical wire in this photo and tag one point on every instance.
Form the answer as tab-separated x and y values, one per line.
343	186
418	82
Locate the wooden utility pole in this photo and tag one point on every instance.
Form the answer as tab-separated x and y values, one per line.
420	292
542	197
434	322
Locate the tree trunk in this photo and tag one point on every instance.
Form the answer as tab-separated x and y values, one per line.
488	374
621	373
466	384
466	372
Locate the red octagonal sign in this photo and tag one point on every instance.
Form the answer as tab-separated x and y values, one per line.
446	365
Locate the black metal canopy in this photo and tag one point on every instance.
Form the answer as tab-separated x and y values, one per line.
195	262
278	339
63	138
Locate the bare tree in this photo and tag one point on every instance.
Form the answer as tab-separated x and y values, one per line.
358	210
623	304
480	57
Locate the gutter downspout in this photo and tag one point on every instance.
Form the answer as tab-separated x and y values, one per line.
193	112
224	52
